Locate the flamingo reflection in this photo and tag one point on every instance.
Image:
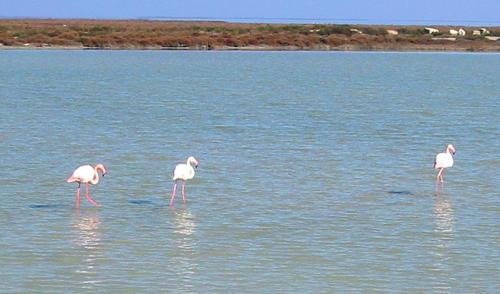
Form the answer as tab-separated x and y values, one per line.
443	211
184	239
443	238
87	226
184	223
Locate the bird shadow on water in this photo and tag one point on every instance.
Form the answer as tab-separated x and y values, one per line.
47	206
400	192
141	202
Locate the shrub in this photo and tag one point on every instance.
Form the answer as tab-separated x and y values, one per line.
374	31
335	29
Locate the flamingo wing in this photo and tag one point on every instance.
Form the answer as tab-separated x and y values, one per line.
83	174
443	160
183	172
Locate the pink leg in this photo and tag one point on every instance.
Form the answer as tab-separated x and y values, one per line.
88	196
173	194
184	192
442	175
77	201
438	177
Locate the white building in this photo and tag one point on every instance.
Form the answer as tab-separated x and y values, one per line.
480	32
454	32
392	32
432	30
484	31
462	32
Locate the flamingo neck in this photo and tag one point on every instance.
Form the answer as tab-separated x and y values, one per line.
95	180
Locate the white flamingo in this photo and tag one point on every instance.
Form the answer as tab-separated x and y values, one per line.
184	172
86	174
444	160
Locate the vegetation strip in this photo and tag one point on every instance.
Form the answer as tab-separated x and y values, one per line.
212	35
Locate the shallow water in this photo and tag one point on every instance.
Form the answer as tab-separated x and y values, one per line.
315	172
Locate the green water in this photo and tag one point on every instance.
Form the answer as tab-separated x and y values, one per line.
315	172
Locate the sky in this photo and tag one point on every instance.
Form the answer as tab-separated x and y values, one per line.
464	12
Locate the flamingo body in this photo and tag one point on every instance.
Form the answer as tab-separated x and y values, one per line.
184	172
443	160
86	174
83	174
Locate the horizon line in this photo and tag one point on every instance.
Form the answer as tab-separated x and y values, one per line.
292	20
319	19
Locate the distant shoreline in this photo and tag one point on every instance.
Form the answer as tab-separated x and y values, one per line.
246	49
70	34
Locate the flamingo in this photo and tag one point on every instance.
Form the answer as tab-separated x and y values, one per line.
86	174
444	160
184	172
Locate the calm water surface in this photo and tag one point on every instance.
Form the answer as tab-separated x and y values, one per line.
315	172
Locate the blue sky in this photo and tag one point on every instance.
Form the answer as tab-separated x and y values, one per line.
466	12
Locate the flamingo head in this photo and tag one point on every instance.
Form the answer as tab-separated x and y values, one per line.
101	168
450	148
192	161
